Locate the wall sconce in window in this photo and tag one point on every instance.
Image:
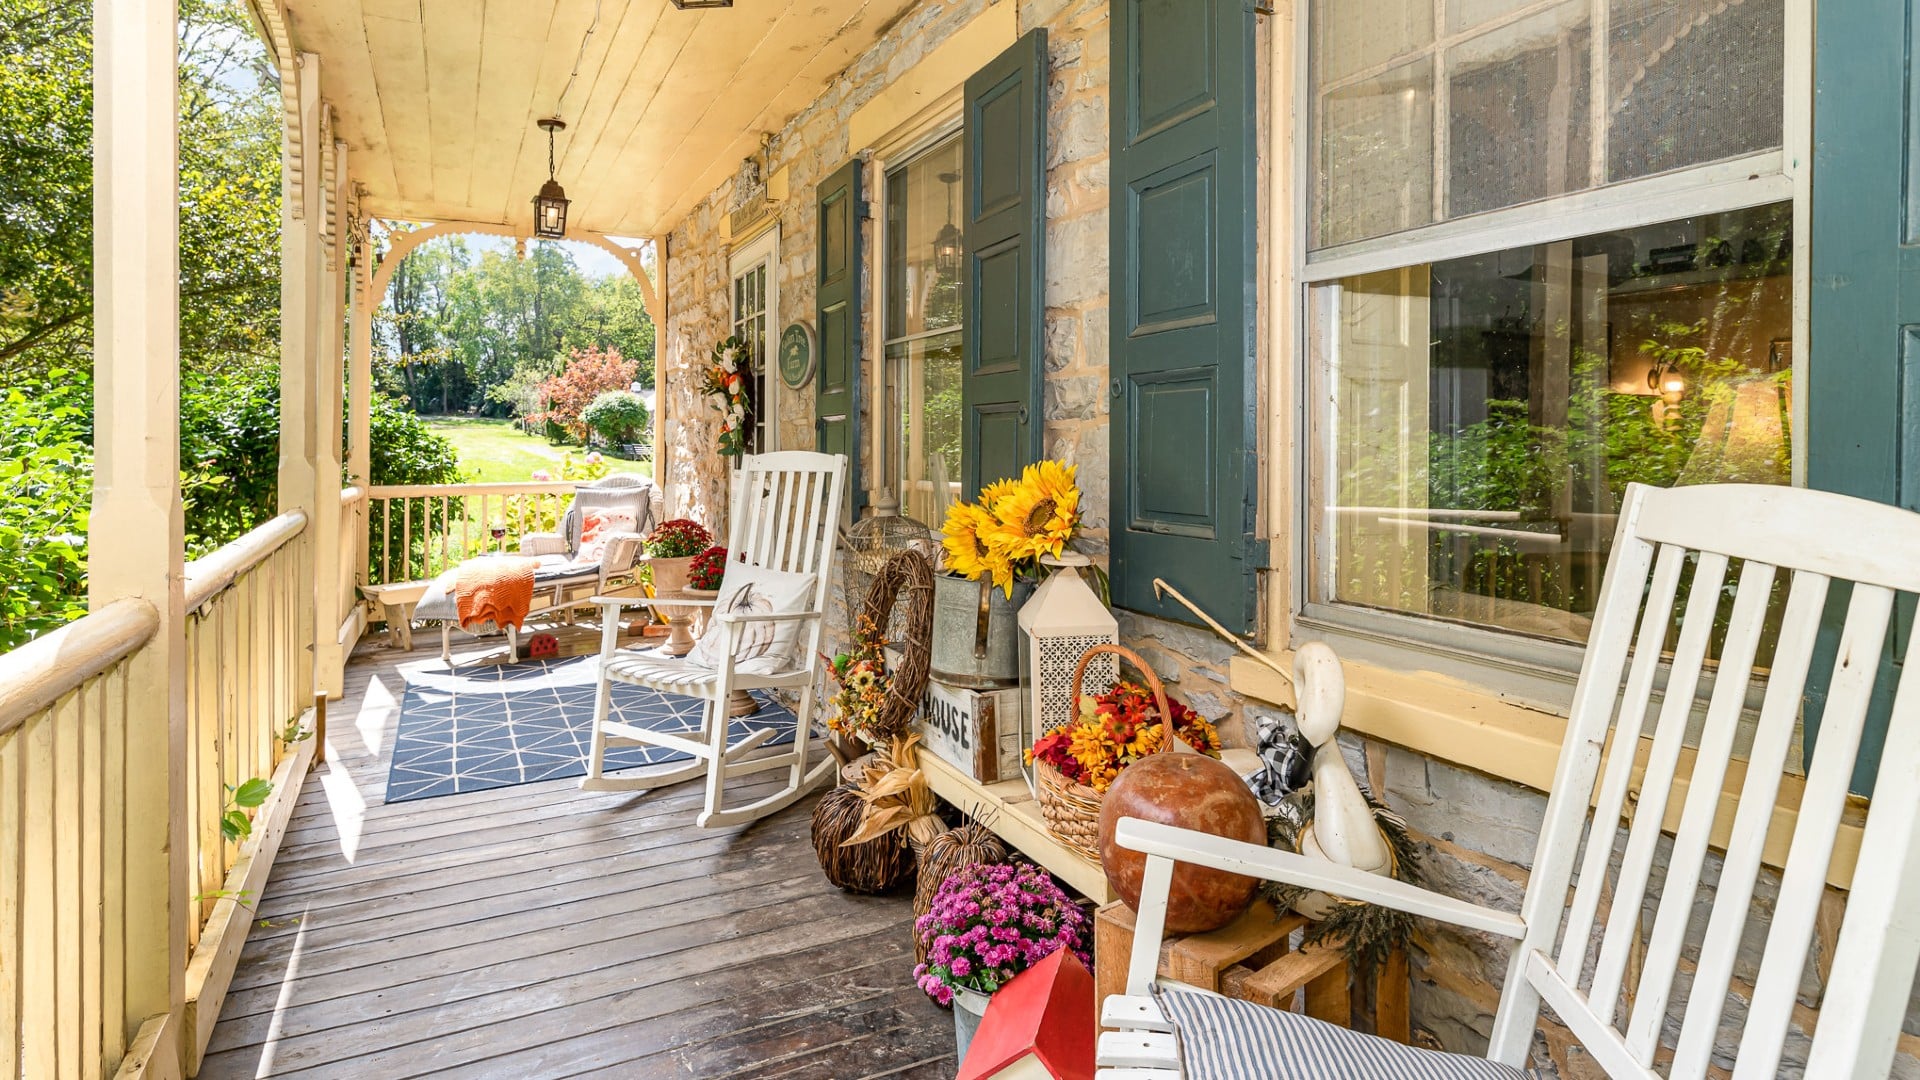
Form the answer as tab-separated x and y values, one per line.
550	206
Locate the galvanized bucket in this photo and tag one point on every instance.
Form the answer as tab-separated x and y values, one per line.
976	637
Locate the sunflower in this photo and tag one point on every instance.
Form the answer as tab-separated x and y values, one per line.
991	495
1038	516
971	552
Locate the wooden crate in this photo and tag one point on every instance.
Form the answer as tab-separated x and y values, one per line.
978	731
1252	959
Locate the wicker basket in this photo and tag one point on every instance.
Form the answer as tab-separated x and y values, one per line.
1072	810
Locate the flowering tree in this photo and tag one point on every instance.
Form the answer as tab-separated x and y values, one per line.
588	374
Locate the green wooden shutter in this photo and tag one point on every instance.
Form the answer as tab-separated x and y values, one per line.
1862	380
837	315
1183	288
1005	122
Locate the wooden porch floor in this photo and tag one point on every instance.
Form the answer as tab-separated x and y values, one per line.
539	931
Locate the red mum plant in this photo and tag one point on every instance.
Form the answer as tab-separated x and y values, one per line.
681	538
707	568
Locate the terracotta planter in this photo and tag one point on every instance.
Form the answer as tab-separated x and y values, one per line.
669	577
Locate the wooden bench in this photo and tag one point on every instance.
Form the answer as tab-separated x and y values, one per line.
396	602
1252	959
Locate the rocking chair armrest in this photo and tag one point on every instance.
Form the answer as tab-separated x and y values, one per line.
1234	856
543	543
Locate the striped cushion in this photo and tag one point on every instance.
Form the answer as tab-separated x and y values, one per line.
1224	1039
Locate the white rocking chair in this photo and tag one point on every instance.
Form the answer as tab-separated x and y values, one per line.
1585	971
785	507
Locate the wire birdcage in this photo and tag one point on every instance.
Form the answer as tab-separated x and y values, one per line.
869	544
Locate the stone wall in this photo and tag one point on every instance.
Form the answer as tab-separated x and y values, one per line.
1477	833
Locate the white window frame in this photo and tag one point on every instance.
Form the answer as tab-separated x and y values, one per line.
763	248
940	120
1525	669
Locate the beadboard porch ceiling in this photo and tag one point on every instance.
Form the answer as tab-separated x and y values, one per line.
437	99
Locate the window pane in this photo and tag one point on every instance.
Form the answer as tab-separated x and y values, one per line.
1487	413
1376	156
1518	112
926	374
1352	37
1692	83
1686	83
923	242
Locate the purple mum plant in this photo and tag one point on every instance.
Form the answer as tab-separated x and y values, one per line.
990	923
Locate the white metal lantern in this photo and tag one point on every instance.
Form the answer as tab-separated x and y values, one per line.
1062	620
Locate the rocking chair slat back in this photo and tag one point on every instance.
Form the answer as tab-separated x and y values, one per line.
783	507
1650	885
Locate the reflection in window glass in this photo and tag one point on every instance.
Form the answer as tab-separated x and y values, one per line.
925	252
1685	84
1487	413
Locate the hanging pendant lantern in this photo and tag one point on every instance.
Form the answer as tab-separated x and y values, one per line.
1061	622
550	206
949	247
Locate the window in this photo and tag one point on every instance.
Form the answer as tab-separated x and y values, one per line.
923	258
754	306
1479	412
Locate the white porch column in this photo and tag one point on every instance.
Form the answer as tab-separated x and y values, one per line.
329	653
135	540
660	399
300	275
361	305
360	369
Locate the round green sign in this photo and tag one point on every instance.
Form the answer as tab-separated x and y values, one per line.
796	355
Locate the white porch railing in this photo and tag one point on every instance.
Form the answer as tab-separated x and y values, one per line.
65	776
63	828
244	684
418	531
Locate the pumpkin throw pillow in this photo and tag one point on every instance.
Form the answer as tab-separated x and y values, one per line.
756	590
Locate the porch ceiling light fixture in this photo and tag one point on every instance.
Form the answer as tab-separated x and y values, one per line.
701	5
550	206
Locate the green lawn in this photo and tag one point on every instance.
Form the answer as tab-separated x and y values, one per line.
494	451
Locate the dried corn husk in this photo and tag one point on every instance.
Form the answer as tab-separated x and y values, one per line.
897	797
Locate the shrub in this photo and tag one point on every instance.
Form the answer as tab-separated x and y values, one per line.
46	485
618	416
405	451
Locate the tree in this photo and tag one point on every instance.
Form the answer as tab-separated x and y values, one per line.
588	375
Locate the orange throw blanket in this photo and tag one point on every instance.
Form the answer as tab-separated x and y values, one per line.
495	590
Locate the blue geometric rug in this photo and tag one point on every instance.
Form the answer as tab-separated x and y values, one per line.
489	726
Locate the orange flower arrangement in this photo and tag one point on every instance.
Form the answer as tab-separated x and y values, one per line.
1116	729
